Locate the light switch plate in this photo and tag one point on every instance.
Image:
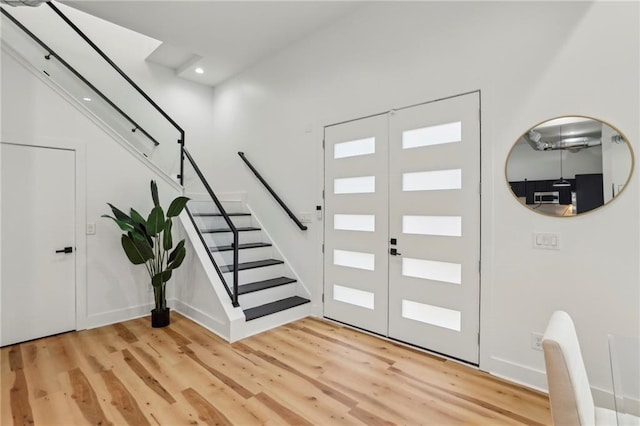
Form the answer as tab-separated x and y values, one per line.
306	217
91	228
546	240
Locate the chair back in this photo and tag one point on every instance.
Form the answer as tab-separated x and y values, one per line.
569	390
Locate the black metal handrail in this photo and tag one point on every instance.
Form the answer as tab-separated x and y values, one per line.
233	294
273	193
128	79
115	67
51	52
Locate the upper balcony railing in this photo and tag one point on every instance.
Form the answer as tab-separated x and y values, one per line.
47	38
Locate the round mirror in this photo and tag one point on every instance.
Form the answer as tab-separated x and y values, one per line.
569	165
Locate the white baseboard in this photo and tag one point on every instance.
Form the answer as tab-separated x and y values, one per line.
118	315
220	328
518	373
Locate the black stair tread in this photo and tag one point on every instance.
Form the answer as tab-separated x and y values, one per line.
262	285
273	307
220	214
240	246
251	265
216	230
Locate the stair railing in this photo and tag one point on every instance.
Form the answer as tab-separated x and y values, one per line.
233	293
52	53
128	80
273	193
184	153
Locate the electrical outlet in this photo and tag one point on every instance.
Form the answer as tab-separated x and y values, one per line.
536	341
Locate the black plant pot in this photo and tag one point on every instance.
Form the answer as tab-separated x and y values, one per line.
160	318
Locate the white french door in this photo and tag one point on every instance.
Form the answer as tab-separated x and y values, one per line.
402	228
38	242
356	221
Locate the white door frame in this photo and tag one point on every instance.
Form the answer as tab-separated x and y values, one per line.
80	213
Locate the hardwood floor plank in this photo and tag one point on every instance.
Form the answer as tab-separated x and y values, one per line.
177	337
289	416
146	377
124	333
309	372
206	412
19	396
369	418
232	384
86	398
123	400
323	336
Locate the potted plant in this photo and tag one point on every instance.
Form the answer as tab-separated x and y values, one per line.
150	242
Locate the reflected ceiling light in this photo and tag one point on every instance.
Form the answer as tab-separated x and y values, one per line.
86	99
199	70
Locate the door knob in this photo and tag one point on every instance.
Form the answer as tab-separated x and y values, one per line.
65	250
394	252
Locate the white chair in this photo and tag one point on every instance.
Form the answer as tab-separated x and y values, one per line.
569	390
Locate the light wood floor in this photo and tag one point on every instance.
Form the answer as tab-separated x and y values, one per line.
311	372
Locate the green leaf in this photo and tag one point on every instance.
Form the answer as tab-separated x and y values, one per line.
154	193
176	206
120	215
137	218
138	252
161	277
175	251
155	222
167	238
177	261
126	227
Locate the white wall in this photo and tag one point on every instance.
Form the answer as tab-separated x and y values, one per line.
532	62
33	113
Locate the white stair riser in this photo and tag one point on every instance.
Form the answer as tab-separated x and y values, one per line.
270	321
215	222
256	274
257	298
246	255
226	238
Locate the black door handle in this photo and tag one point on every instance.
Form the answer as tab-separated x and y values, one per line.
66	250
394	252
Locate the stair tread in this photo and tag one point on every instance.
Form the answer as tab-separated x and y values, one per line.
220	214
262	285
240	246
251	265
273	307
216	230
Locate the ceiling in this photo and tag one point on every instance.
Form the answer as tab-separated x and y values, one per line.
221	37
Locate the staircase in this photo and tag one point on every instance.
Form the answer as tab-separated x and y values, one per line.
265	283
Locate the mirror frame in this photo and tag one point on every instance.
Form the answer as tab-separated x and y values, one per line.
616	129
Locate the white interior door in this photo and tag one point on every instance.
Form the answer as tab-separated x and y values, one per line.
402	225
356	222
434	199
38	217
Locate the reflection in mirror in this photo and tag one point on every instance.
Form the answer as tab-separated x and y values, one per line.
569	165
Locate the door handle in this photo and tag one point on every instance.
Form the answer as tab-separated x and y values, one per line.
394	252
65	250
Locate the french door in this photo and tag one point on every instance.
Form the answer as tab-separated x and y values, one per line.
402	228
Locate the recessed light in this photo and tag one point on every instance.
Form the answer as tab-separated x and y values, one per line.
86	99
199	70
